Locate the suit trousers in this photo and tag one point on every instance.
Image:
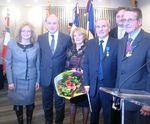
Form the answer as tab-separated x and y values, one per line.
134	117
101	100
48	93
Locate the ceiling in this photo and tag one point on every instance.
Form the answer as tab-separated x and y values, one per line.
53	2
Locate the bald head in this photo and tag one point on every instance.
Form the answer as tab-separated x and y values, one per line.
52	23
102	28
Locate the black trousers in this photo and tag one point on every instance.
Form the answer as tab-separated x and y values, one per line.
1	78
101	100
48	93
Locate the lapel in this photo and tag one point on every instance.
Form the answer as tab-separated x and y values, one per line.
107	48
116	32
47	45
137	40
96	49
59	43
123	46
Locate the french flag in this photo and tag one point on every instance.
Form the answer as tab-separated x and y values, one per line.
76	18
90	20
6	40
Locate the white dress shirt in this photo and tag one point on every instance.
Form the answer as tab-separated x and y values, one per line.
55	38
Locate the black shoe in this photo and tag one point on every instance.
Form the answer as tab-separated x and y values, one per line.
47	122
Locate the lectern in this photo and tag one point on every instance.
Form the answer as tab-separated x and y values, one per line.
134	96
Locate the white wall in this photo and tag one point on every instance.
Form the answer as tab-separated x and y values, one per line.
97	3
145	7
24	10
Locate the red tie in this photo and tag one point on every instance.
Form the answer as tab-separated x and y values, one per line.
129	46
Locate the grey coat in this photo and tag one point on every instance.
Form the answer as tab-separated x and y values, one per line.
22	69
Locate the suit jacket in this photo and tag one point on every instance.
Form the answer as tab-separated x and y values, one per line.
52	65
91	65
114	32
129	65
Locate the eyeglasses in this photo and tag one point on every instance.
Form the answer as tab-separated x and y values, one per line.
129	20
28	31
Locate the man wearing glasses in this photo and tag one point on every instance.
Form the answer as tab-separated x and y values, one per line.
134	52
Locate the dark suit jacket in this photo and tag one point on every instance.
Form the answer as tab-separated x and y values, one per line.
128	65
91	64
114	32
52	65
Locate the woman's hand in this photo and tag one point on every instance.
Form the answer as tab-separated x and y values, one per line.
37	86
11	86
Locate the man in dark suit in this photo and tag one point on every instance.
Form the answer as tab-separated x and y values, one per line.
118	31
100	70
132	55
53	47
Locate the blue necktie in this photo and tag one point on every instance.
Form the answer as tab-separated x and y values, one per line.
52	44
100	71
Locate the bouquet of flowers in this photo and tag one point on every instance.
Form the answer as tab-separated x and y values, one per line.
69	84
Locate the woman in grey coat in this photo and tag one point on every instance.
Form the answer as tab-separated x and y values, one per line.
22	69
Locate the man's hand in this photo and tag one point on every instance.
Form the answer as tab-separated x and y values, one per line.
11	86
87	88
37	86
145	110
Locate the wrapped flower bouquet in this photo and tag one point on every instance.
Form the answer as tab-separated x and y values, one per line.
69	84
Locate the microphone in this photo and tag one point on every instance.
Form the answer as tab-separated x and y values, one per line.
116	100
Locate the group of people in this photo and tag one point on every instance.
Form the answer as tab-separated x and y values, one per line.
106	61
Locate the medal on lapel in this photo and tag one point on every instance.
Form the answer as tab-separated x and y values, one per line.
129	53
129	48
107	51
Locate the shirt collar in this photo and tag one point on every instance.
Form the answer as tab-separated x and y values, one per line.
121	29
134	34
55	34
104	39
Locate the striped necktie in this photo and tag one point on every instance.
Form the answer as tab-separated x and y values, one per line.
129	46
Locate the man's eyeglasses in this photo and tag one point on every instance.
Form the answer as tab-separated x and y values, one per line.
129	20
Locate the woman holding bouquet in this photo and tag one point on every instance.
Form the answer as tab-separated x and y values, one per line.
22	70
75	57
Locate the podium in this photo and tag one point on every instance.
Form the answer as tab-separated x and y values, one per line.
134	96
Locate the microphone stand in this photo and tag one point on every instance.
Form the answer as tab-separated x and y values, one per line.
116	104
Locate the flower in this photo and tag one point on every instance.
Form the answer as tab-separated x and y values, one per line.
69	84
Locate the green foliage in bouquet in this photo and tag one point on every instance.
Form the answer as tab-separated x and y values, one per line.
70	84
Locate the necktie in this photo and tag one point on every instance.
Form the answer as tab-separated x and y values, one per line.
52	44
129	47
100	71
